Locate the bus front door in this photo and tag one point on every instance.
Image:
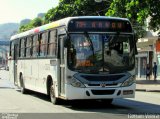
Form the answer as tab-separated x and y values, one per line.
15	64
62	67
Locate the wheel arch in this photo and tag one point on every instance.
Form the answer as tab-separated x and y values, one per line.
49	81
20	80
20	74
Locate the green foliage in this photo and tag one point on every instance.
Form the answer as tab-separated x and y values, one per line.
33	23
68	8
36	22
154	12
131	9
137	11
22	28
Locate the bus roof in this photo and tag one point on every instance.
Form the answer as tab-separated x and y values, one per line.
62	22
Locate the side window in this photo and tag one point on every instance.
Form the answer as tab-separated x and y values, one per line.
11	49
43	44
28	47
126	47
35	46
52	43
22	47
19	47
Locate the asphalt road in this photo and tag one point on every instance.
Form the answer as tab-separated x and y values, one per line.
15	105
38	105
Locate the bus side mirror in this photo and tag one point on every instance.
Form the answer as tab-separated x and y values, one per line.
135	37
65	39
135	42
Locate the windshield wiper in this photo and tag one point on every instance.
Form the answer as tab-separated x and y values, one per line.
114	39
90	41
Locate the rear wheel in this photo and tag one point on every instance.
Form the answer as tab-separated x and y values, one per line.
22	87
53	98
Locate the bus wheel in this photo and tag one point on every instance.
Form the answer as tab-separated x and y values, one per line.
23	90
54	100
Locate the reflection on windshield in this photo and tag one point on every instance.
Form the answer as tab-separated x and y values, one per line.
112	53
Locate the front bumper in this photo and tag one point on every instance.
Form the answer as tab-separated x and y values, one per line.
74	93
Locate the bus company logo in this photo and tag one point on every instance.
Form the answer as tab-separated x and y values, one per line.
103	84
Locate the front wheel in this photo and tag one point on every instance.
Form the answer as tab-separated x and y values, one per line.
53	98
22	87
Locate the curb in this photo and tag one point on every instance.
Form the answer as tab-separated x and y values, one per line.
147	90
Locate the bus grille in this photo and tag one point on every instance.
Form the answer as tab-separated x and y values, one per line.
105	84
102	92
103	78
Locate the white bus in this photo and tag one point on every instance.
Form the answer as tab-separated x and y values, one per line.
76	58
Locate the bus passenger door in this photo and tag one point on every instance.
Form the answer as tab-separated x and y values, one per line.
62	66
15	64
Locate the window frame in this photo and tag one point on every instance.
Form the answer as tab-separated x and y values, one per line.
29	46
22	48
35	46
43	36
55	42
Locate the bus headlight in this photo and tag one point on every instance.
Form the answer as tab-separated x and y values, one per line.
129	81
76	83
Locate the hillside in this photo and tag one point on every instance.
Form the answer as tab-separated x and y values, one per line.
8	29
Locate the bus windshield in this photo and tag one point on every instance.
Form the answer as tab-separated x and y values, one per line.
95	53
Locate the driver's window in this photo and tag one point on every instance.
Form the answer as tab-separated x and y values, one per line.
126	47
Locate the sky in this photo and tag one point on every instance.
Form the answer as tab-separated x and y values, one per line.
13	11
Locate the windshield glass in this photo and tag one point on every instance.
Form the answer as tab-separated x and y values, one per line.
91	53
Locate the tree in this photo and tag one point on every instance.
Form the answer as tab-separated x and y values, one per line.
154	12
137	11
67	8
37	22
134	10
33	23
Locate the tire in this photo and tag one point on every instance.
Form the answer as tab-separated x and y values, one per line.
22	87
53	99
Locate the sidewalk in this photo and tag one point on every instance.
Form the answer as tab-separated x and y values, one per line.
147	85
5	83
4	80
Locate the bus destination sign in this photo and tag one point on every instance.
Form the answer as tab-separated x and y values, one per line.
99	25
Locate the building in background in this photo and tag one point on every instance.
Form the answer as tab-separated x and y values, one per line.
4	48
148	52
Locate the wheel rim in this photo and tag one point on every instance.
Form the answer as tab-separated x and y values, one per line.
21	81
52	94
22	85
